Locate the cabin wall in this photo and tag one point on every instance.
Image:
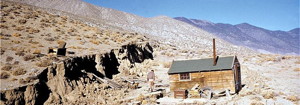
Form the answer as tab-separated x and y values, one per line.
217	80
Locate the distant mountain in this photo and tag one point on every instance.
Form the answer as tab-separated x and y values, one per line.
263	40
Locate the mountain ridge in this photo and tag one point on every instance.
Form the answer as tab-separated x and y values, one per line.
245	34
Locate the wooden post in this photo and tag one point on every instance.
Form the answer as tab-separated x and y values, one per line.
214	52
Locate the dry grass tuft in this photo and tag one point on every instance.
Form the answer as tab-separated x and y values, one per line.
33	42
16	41
16	62
293	98
297	62
20	28
27	80
4	75
2	51
96	42
140	98
268	94
16	34
49	39
22	21
20	53
6	67
60	42
28	57
19	71
37	51
256	103
31	30
44	63
297	69
167	65
9	58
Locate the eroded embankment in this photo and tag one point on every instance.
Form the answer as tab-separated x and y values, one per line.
60	79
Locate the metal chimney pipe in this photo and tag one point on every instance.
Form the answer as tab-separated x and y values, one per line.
214	53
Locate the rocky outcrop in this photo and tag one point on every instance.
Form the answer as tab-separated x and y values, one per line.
61	78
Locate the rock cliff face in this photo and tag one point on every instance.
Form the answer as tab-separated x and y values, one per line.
61	78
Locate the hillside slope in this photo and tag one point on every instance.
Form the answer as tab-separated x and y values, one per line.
28	32
251	36
163	29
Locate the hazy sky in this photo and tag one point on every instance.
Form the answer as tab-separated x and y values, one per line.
269	14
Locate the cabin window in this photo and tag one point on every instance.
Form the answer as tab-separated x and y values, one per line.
184	76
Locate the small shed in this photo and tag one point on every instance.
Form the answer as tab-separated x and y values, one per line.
217	73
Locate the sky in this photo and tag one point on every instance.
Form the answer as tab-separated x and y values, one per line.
268	14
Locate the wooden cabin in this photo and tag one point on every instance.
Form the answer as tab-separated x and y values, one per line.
217	73
224	75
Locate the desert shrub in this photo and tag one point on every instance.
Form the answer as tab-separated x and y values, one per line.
297	62
33	42
60	42
37	51
49	39
167	65
29	36
2	20
44	25
22	21
5	36
71	30
4	75
24	81
16	41
20	53
6	67
16	62
140	98
256	103
14	79
45	20
16	34
297	69
11	17
57	30
44	63
28	57
246	92
268	94
96	42
155	63
78	38
293	98
20	28
3	26
2	51
9	58
256	98
82	42
19	71
40	45
31	30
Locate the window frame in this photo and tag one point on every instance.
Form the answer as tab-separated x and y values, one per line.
189	75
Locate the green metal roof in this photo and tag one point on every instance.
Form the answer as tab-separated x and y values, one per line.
199	65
